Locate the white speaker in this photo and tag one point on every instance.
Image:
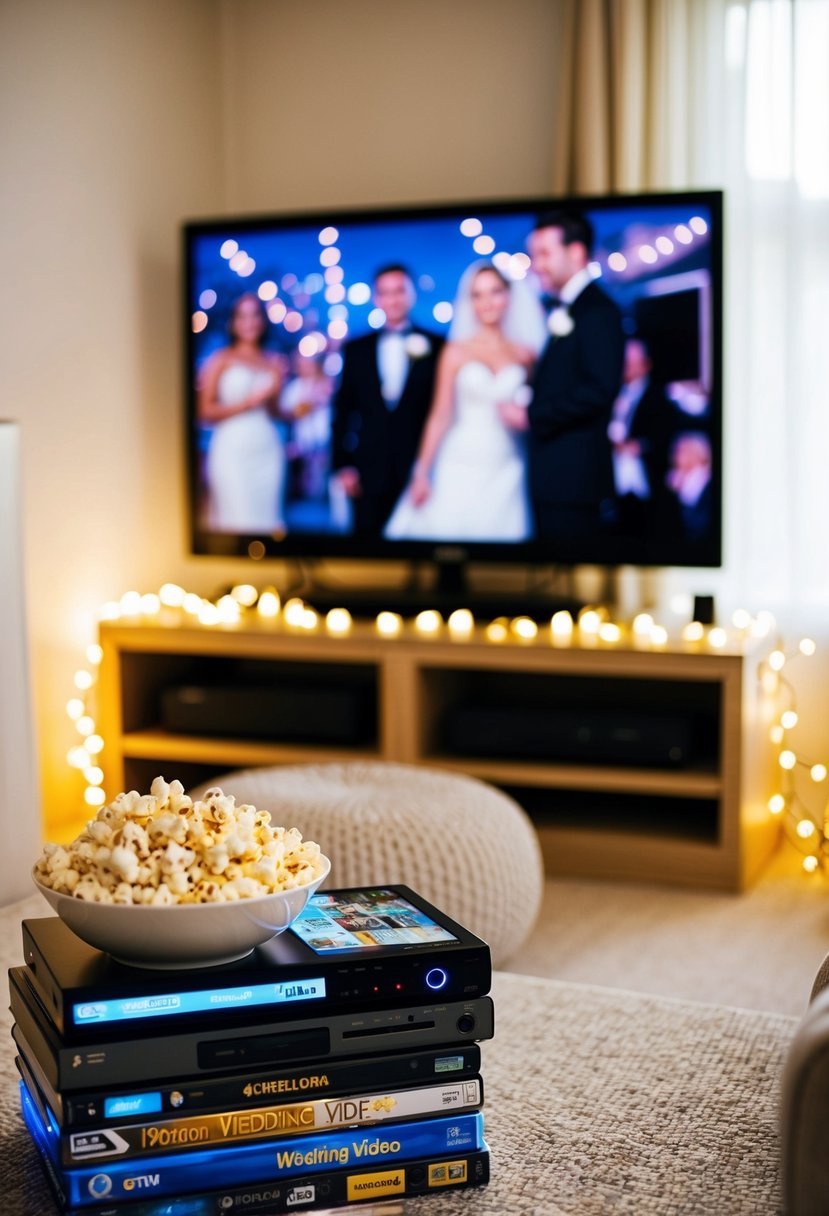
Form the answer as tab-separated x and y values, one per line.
20	836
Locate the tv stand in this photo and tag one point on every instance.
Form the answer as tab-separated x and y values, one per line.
576	734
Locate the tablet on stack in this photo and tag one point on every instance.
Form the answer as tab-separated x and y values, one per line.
336	1064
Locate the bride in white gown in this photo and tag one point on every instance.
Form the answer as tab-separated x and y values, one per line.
469	479
245	458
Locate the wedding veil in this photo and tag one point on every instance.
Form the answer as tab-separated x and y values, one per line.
524	322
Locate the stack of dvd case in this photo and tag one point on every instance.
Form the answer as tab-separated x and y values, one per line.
337	1064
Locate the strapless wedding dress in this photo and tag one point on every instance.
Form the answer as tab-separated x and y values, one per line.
245	459
479	490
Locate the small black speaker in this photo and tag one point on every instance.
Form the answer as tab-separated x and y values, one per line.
703	609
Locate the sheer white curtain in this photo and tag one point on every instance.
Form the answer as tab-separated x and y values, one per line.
733	94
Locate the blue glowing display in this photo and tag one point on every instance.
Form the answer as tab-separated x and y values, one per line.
132	1104
165	1004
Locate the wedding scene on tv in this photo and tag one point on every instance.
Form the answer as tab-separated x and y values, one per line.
540	378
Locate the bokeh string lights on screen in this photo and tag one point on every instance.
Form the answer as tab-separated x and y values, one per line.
318	310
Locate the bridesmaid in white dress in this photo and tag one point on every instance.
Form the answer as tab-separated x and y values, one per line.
238	395
469	479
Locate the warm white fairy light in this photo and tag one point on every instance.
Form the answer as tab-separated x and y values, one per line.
171	595
610	632
777	733
694	631
807	647
461	624
94	654
94	796
230	613
338	621
777	804
717	637
310	618
78	757
659	635
150	605
561	626
741	618
83	680
810	864
389	624
94	745
130	603
818	773
789	719
268	605
589	621
643	623
787	759
245	594
93	775
805	829
85	725
777	660
762	625
294	613
497	630
74	708
209	614
524	628
192	603
428	622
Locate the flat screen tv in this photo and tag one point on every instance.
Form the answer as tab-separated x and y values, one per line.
436	382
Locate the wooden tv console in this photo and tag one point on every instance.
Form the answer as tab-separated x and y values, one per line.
704	823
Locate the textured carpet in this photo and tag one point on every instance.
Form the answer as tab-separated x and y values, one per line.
758	950
597	1101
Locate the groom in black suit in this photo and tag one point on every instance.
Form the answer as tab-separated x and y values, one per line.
382	403
576	382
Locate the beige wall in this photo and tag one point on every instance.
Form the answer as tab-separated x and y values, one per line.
120	118
109	115
371	101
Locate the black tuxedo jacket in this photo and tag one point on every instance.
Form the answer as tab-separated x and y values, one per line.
575	385
381	443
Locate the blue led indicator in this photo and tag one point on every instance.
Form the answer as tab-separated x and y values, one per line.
436	978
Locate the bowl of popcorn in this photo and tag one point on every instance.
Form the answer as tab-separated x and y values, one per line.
158	880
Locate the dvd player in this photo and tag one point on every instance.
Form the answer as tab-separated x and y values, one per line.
356	947
195	1052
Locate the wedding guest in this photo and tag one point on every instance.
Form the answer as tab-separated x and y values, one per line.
469	479
238	397
306	402
578	377
643	423
381	404
690	479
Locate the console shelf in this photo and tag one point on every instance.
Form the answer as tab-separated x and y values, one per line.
563	730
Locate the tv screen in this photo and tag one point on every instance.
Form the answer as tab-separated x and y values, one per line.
535	381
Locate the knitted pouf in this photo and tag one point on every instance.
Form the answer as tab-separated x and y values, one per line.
466	847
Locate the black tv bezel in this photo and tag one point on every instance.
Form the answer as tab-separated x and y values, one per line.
601	551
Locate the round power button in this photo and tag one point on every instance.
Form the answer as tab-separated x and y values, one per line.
436	978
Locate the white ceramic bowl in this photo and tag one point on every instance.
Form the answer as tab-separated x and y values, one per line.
182	935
